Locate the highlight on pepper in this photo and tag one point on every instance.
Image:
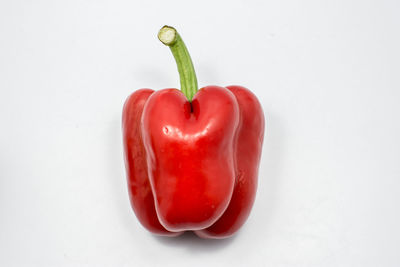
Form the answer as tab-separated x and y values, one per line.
192	155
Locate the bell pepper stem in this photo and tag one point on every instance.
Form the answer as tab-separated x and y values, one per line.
170	37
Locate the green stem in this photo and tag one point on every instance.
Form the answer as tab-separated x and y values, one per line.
170	37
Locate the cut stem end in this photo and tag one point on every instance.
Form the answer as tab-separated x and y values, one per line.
167	35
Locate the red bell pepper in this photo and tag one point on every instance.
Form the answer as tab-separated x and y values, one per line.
192	156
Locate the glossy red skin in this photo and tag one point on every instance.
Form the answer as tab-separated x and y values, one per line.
250	135
140	194
193	166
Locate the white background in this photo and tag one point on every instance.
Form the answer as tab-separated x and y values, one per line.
327	75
